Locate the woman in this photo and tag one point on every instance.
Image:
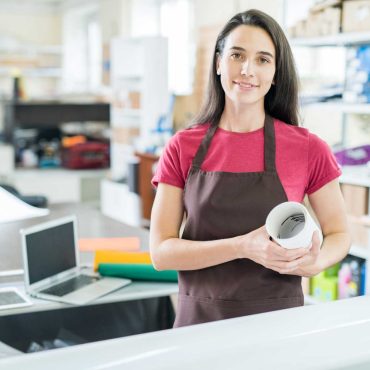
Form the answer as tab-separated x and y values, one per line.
245	155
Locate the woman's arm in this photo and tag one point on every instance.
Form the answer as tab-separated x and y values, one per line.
329	207
169	252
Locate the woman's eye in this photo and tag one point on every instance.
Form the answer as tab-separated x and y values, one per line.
236	56
264	60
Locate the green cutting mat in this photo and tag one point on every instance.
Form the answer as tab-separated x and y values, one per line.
136	272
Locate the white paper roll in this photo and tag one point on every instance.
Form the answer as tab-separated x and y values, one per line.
291	226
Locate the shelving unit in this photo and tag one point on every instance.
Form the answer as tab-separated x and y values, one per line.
359	252
343	107
34	72
139	66
43	114
40	67
341	39
31	60
356	175
352	175
139	80
31	49
58	185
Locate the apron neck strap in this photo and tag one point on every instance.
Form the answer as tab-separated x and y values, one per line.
269	145
203	147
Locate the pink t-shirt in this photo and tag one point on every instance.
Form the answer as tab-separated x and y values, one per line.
304	162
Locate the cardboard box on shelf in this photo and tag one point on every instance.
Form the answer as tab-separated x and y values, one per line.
126	99
356	16
300	28
332	21
124	135
314	25
324	4
184	110
325	22
134	99
14	61
356	201
323	19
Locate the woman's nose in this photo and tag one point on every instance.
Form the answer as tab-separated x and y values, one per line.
247	68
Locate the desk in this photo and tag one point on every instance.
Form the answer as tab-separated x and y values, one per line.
332	336
140	307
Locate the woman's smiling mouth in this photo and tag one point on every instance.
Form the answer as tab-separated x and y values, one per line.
245	86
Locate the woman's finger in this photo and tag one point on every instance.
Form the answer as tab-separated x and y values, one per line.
287	254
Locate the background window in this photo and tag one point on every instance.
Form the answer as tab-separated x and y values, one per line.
171	19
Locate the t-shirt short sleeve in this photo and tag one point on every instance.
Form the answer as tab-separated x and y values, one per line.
168	170
322	165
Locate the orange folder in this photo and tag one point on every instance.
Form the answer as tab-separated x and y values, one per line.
105	256
116	244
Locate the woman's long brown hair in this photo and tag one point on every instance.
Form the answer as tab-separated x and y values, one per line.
281	101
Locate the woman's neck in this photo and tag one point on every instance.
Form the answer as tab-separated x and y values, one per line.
244	119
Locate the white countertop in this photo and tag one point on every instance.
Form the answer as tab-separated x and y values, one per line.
333	335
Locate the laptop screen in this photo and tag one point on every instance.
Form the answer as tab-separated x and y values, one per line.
50	251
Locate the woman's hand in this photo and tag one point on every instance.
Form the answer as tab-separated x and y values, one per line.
258	247
307	265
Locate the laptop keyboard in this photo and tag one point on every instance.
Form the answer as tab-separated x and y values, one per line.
7	298
70	285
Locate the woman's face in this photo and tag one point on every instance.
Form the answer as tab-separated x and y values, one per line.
247	65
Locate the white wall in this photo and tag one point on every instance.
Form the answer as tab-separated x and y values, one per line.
32	28
275	8
115	18
145	18
208	13
22	23
34	25
75	46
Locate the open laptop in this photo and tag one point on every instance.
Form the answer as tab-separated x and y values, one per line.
11	297
51	265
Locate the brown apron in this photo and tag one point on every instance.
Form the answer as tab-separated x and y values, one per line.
222	205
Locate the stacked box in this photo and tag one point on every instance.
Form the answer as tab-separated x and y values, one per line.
356	199
351	277
324	288
356	16
323	20
357	87
345	279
